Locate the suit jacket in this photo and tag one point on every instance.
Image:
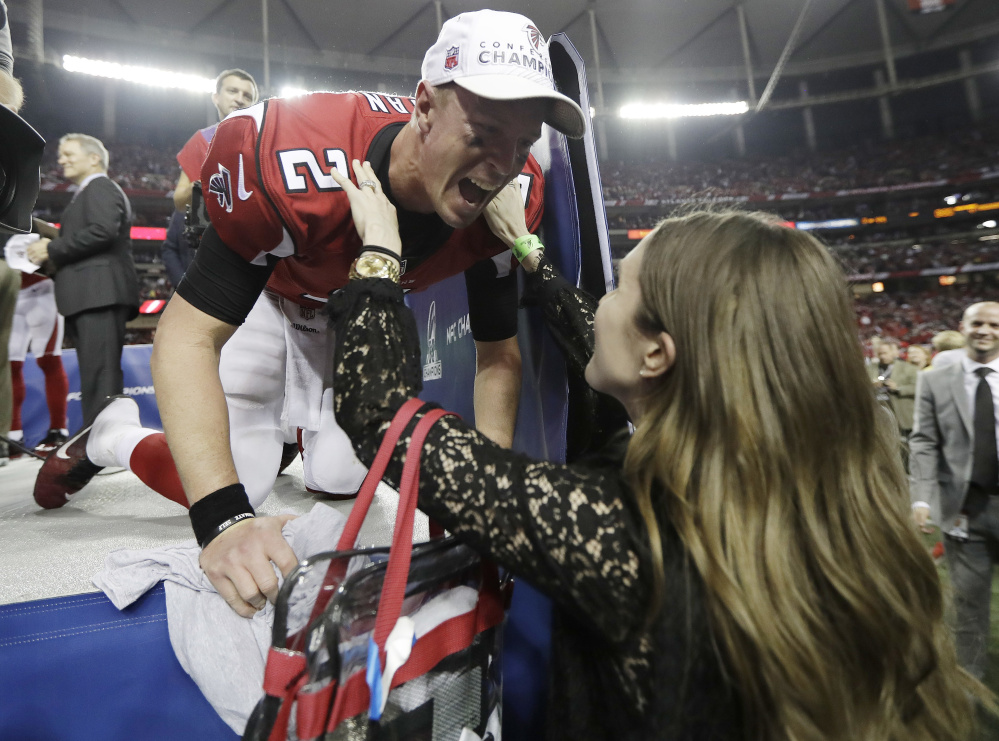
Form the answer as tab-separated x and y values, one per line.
942	442
93	253
901	401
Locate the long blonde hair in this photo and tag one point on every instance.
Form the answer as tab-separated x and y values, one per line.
783	478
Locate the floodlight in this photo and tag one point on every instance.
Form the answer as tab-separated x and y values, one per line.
677	110
142	75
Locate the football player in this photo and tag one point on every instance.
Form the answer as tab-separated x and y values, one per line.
241	349
38	326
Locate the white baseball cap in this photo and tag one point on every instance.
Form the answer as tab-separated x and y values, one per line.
500	56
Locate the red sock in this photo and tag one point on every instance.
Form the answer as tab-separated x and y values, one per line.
152	462
17	381
56	389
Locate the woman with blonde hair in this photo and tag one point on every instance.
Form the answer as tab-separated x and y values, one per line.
918	356
747	569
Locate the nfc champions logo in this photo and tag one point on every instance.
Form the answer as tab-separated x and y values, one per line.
432	366
221	185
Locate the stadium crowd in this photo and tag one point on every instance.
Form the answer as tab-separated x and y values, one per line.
151	171
915	317
140	169
966	154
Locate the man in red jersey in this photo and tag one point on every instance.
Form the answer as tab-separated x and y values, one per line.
282	238
234	89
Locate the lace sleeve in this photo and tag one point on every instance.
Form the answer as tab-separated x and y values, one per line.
595	419
568	313
569	530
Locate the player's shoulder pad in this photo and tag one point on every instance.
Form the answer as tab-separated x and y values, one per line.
237	204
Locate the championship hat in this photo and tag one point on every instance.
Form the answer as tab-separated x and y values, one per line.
500	56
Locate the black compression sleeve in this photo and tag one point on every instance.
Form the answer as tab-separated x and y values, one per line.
221	283
492	302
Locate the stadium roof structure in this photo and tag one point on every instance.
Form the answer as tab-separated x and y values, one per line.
638	41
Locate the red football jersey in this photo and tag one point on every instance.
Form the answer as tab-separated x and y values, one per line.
268	191
192	154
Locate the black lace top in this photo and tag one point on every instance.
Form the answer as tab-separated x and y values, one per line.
571	530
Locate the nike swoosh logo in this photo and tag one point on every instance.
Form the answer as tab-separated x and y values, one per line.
240	188
65	446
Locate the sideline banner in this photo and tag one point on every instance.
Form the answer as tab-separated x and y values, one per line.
138	385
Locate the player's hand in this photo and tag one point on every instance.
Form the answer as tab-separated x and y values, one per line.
38	251
506	216
374	215
238	562
890	385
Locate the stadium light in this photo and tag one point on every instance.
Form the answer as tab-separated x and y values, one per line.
678	110
291	92
142	75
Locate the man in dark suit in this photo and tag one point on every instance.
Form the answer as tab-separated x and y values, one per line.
96	287
955	474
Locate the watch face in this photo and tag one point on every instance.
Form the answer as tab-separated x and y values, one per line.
374	266
370	264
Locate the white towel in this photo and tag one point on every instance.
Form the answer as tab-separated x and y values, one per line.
224	653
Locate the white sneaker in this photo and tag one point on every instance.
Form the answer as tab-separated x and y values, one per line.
118	418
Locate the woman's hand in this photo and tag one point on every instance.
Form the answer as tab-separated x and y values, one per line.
374	215
505	214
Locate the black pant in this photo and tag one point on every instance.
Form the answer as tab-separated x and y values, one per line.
99	335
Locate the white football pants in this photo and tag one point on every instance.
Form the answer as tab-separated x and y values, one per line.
272	372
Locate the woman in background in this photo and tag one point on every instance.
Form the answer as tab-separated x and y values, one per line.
918	356
744	566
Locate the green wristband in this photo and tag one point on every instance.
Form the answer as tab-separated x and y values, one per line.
523	246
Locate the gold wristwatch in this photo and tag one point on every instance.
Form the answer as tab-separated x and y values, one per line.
374	265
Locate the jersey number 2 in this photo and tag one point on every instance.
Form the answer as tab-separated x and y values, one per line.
298	166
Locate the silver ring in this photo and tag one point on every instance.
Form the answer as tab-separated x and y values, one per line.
368	184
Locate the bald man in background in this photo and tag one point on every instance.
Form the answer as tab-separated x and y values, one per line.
954	467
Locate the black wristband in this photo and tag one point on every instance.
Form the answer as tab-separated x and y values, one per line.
382	251
220	510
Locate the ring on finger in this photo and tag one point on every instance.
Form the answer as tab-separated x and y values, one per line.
368	184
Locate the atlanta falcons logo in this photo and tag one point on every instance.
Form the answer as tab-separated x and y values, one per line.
221	185
534	36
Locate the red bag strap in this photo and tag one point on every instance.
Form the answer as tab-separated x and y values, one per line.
338	567
284	675
397	571
367	493
312	710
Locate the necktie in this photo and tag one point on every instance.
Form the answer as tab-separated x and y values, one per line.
985	463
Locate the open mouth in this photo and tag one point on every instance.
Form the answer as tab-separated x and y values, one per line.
472	193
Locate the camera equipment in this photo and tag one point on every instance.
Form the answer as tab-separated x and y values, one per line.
195	217
20	157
